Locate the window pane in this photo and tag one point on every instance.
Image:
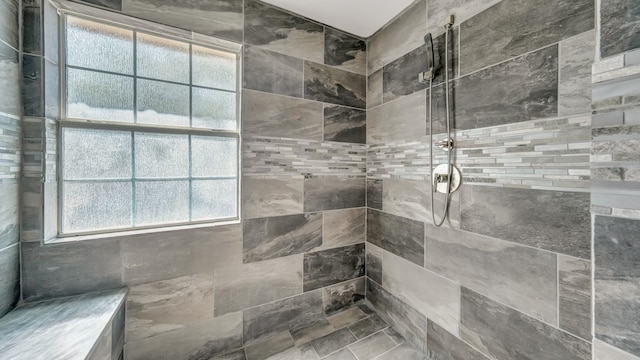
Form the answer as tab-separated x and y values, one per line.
161	155
214	109
98	46
214	199
99	96
163	59
213	68
163	103
160	202
96	154
96	206
214	156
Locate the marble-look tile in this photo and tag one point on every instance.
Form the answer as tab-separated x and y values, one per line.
271	197
51	22
403	352
604	351
305	352
10	102
314	331
9	278
109	4
574	293
287	314
331	193
333	342
574	84
342	296
166	255
70	268
272	72
410	323
438	10
166	305
328	267
552	220
374	194
504	333
404	34
248	285
374	262
618	27
118	331
617	282
443	345
265	114
345	51
369	348
407	198
51	90
10	210
31	30
368	326
515	27
401	236
343	227
9	24
272	345
269	238
283	32
521	89
374	89
344	124
331	85
401	120
346	317
518	276
102	348
234	355
32	83
427	292
397	338
201	340
344	354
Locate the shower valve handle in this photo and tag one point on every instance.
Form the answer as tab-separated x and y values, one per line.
446	144
439	179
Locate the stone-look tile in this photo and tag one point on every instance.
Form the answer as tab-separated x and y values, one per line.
272	72
398	38
31	30
369	348
432	295
201	340
344	354
328	267
328	84
221	19
574	293
265	348
51	35
443	345
305	352
10	213
271	197
343	227
504	333
32	94
515	27
117	330
9	25
342	296
438	11
265	114
410	323
9	278
166	305
248	285
109	4
374	262
10	102
374	194
518	276
398	235
292	313
51	90
368	326
345	51
333	342
102	348
618	27
283	32
234	355
604	351
345	124
552	220
346	317
574	87
407	198
170	254
400	120
374	89
403	352
314	331
331	193
521	89
617	282
397	338
70	268
269	238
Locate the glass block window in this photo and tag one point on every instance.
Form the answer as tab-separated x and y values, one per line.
149	135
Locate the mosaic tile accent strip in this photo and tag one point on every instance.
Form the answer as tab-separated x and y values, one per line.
9	148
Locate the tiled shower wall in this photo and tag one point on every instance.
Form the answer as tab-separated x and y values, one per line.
509	275
299	252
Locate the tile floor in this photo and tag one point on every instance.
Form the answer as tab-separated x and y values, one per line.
354	334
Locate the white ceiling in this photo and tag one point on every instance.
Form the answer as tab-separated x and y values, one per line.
359	17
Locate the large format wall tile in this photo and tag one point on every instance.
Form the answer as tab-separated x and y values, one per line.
551	220
338	297
374	194
265	114
604	351
518	276
617	282
343	227
407	198
402	119
10	208
9	25
9	81
574	87
9	278
524	88
31	29
279	31
328	267
345	124
374	89
439	10
109	4
271	197
620	21
32	94
574	294
398	235
504	333
374	262
330	193
272	72
327	84
269	238
443	345
515	27
345	51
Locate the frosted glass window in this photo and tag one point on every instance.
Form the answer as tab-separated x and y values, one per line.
159	202
214	109
214	156
162	59
161	155
99	96
162	103
96	154
214	69
96	206
214	199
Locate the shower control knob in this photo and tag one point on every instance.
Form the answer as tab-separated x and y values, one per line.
446	144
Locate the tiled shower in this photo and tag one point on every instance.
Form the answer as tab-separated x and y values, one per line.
336	252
